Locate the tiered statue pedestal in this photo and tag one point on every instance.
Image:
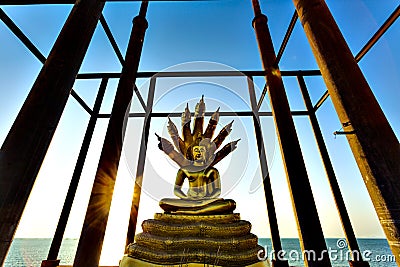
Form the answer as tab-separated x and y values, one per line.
131	262
194	240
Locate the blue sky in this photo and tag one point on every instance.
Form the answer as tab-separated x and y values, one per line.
209	31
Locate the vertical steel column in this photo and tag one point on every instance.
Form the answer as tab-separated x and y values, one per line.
309	227
273	222
73	186
141	163
95	223
25	147
330	173
372	140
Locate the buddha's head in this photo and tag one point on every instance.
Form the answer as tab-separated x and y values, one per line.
201	152
195	147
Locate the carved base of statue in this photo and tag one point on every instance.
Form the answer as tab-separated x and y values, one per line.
176	239
204	206
131	262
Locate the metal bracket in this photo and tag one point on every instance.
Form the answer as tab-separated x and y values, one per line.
343	132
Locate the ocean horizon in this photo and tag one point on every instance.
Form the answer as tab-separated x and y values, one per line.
30	252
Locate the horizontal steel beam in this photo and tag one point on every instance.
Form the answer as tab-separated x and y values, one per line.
35	2
178	74
222	114
53	2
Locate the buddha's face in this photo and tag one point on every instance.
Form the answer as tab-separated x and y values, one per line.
199	153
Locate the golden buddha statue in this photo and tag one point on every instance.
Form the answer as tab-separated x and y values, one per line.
196	156
198	227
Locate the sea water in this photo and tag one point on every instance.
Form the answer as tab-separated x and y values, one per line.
31	251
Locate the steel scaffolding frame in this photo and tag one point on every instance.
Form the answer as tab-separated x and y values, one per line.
310	112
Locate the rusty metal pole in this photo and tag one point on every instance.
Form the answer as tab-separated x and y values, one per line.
371	138
330	174
269	198
95	223
309	227
137	191
52	257
26	144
